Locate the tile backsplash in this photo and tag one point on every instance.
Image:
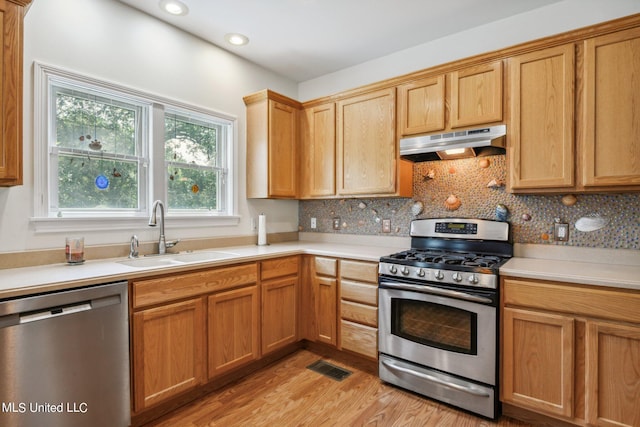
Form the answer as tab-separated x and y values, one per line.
476	185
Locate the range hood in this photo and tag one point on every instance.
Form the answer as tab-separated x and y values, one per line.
454	145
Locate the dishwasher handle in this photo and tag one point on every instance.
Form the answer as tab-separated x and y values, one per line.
52	312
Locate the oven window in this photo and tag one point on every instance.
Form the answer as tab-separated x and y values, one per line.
435	325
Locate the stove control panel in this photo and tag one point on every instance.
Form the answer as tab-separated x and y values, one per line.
456	228
434	275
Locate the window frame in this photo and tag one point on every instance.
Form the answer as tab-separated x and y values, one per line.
156	185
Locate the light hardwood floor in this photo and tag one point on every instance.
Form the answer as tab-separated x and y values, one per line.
288	394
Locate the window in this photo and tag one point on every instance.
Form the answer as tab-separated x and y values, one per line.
194	161
97	150
105	151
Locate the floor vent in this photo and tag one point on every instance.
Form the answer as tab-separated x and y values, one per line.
329	370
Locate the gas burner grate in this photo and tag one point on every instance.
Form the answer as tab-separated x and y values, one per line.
436	256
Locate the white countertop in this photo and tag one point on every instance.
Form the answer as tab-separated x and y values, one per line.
586	273
573	265
618	268
29	280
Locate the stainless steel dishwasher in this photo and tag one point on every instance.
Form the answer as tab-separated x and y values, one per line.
64	358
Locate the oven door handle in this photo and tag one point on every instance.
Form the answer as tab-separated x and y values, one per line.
437	291
468	390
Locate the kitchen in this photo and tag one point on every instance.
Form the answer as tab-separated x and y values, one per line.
51	27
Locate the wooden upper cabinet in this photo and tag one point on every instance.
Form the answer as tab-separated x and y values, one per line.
367	152
272	141
611	111
318	151
11	18
421	106
476	95
540	128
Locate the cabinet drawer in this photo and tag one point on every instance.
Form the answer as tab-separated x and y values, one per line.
359	338
326	266
359	313
366	293
279	267
361	271
154	291
581	300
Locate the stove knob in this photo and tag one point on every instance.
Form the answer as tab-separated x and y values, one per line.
420	273
473	279
457	277
393	269
405	270
439	275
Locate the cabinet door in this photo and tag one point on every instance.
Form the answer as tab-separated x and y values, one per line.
319	151
541	123
11	32
168	349
282	150
279	313
537	362
326	309
421	106
233	329
367	144
613	374
476	95
611	95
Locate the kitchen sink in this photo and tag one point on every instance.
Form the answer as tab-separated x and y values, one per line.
150	262
201	256
175	259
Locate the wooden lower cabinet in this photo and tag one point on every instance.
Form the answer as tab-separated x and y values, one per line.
612	374
326	309
233	329
359	307
571	352
361	339
168	351
538	360
279	302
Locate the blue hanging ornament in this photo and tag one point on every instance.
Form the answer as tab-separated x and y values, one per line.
102	182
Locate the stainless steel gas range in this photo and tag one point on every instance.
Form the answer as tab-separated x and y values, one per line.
438	312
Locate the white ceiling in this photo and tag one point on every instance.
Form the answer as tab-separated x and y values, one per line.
304	39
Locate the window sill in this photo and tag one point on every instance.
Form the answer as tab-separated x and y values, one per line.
73	225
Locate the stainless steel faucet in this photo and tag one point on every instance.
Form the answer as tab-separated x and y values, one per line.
163	245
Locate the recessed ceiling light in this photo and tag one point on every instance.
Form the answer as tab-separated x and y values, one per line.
174	7
236	39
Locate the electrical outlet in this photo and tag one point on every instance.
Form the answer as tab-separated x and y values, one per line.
314	224
560	232
336	223
386	226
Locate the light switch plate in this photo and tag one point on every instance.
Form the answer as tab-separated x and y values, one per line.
314	223
386	226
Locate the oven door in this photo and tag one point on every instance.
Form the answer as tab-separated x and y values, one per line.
454	334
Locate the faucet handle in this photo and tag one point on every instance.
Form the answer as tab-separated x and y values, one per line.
171	243
133	247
